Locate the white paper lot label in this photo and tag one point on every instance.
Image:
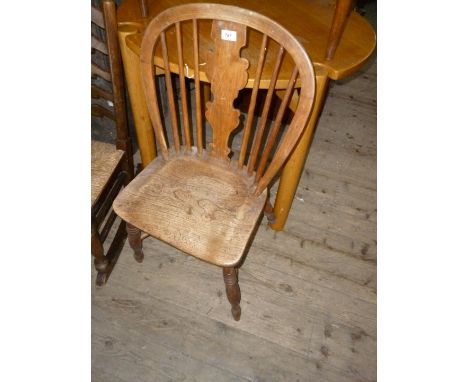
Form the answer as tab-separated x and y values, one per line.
228	35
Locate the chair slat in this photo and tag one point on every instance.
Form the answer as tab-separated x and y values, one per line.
264	116
97	71
170	93
253	102
101	111
227	72
183	90
276	126
97	17
100	93
197	88
98	44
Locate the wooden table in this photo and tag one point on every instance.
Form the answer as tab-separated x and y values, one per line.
309	20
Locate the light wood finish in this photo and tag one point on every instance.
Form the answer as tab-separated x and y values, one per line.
250	52
343	9
309	308
309	20
292	171
197	200
194	204
131	62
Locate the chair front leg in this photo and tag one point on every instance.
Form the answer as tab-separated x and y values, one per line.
134	239
233	291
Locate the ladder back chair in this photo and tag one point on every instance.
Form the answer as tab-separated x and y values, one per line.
197	195
111	165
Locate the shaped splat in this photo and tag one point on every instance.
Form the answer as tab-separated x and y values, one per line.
227	72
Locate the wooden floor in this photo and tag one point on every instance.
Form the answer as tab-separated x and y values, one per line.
308	293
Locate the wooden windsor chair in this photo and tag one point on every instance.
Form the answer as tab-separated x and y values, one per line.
196	195
111	165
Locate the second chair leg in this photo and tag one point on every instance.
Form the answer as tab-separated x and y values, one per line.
134	239
97	250
233	291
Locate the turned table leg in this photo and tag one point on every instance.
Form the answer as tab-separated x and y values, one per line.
292	170
143	127
233	291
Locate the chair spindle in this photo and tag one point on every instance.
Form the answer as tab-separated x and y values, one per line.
276	126
155	115
197	89
264	116
183	90
170	93
253	102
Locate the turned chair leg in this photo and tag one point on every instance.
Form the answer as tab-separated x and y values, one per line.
269	212
97	250
233	291
134	239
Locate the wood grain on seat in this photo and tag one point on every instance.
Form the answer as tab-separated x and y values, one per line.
104	160
199	205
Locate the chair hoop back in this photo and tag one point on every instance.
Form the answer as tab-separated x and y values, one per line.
226	62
